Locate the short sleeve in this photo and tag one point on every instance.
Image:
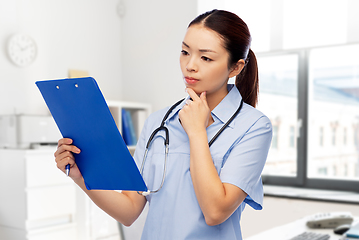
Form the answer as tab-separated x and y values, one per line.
245	161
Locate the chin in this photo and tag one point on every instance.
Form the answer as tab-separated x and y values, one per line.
196	90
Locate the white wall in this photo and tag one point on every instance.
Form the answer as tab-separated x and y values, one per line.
152	33
81	34
90	35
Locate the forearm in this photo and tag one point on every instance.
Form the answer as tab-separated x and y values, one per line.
125	207
216	201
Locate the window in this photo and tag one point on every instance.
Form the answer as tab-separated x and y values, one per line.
291	137
322	171
321	136
334	102
312	101
275	138
344	136
278	81
310	92
335	171
334	135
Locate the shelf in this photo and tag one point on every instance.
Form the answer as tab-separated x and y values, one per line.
139	113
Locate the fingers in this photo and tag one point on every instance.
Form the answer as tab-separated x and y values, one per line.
63	159
64	141
192	94
195	114
65	144
64	153
195	97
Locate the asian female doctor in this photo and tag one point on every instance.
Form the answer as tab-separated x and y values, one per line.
209	179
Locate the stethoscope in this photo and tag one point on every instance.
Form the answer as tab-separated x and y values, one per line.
166	141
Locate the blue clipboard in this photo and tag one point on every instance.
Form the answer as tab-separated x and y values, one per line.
81	113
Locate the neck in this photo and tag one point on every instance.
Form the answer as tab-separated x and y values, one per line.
215	98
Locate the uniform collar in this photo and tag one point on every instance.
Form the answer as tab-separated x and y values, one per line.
228	106
224	110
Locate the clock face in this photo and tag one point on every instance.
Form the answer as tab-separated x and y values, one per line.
21	49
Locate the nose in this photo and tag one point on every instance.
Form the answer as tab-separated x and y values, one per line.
191	66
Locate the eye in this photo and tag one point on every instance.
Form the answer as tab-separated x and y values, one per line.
184	52
206	59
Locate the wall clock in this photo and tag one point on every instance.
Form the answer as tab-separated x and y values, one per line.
22	49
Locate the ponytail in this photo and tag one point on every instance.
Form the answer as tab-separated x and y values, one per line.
247	80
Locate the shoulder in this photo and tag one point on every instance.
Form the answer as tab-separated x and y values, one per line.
155	118
251	117
159	114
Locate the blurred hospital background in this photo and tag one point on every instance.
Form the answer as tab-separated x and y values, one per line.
307	52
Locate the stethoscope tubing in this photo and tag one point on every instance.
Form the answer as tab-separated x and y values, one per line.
226	124
162	127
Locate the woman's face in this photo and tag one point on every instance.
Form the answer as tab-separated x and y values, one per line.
204	62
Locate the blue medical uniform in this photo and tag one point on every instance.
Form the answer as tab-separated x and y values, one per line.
239	155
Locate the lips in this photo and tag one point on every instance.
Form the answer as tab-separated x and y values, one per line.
190	80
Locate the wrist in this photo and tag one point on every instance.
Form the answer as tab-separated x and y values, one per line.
196	136
79	181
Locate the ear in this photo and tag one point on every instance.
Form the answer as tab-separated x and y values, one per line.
237	68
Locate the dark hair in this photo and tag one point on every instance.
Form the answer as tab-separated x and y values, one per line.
237	40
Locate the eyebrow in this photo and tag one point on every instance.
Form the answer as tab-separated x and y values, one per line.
201	50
